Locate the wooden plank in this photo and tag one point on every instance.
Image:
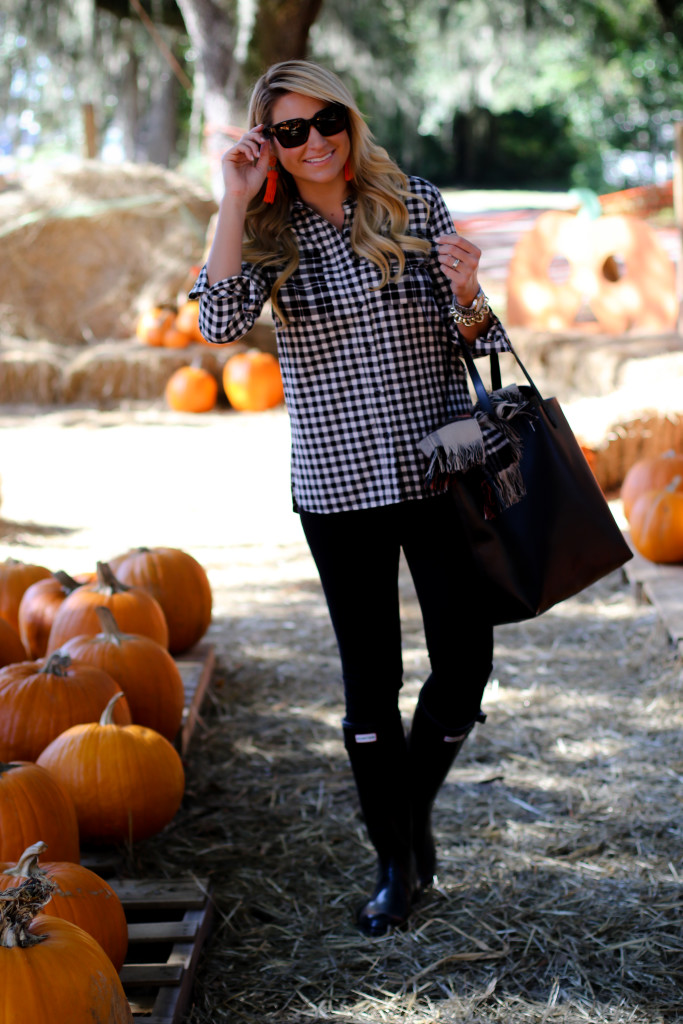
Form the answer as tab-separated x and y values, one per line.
161	931
144	975
662	587
142	894
196	667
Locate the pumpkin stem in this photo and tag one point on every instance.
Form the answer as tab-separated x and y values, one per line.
107	581
106	717
56	665
27	865
109	624
69	584
19	906
674	484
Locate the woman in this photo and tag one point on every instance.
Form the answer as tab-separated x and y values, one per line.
372	293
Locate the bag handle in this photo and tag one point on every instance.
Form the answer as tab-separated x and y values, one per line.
496	379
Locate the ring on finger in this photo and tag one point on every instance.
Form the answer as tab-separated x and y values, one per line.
455	264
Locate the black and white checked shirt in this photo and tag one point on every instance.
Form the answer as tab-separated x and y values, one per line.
367	371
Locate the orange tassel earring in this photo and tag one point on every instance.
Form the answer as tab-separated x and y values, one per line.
272	176
348	173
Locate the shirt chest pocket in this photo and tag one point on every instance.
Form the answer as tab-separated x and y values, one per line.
414	288
317	291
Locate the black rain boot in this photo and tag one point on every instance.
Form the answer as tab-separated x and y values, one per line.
433	749
379	760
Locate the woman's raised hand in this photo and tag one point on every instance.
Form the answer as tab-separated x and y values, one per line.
245	165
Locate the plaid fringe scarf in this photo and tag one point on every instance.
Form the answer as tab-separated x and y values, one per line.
481	440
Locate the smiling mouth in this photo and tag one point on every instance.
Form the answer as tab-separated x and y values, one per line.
318	159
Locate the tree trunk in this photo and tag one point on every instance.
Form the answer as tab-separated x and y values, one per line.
279	31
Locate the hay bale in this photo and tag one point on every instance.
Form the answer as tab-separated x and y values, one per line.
87	247
31	372
115	371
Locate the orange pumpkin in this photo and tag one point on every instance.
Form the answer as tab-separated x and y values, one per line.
649	474
180	585
11	647
135	610
175	338
50	969
152	325
15	578
140	778
191	389
187	319
34	805
80	896
38	608
40	699
657	523
143	669
252	381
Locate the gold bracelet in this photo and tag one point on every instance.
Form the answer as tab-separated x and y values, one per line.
475	313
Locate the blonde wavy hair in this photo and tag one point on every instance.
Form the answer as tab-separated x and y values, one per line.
379	231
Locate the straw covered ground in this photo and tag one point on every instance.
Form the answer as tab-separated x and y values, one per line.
559	827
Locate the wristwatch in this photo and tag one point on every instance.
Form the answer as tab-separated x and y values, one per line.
475	313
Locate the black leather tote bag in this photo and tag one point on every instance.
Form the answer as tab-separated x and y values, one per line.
557	539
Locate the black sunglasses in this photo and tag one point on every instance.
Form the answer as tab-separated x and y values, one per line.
328	121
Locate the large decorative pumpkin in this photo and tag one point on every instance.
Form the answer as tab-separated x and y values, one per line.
39	699
15	578
50	969
38	608
134	609
657	523
180	585
191	389
252	381
143	669
11	647
140	778
649	474
80	896
33	806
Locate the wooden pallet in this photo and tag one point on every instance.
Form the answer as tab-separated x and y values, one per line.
662	586
168	923
196	667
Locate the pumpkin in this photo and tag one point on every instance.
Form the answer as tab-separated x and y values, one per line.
191	389
175	338
38	608
11	647
126	781
187	319
144	670
80	896
657	523
15	578
135	610
252	381
152	325
50	969
34	805
39	699
649	474
180	585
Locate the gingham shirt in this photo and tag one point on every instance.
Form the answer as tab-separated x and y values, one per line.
367	372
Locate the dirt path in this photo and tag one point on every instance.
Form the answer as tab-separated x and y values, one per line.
559	829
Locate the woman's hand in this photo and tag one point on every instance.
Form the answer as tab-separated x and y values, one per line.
245	165
459	261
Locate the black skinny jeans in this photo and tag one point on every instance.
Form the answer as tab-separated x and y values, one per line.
357	556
